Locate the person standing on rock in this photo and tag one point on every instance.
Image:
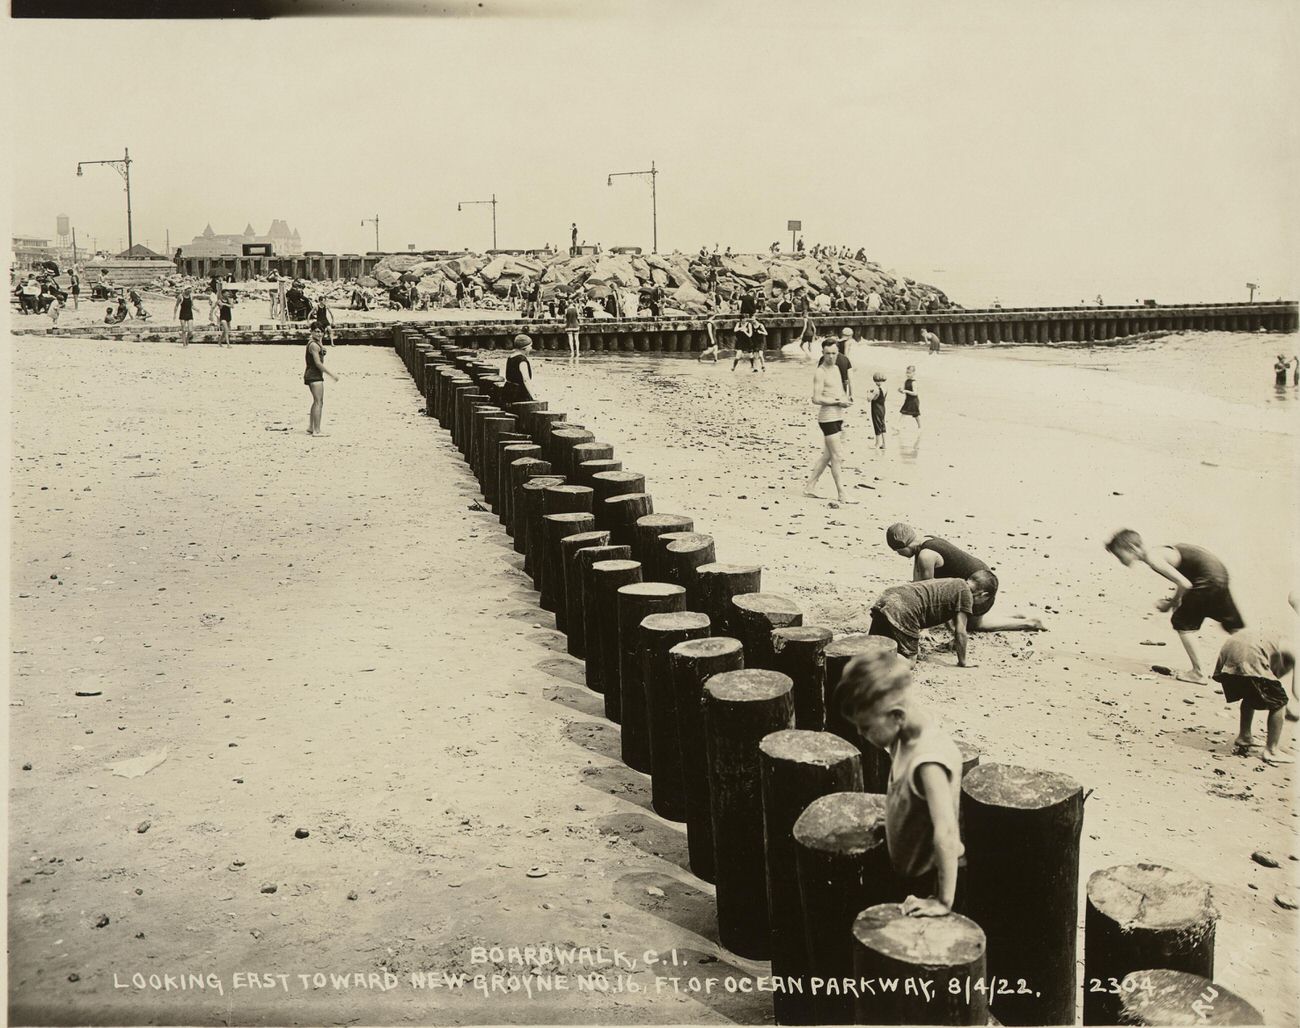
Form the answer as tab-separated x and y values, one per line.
573	239
184	310
519	371
829	398
314	377
571	326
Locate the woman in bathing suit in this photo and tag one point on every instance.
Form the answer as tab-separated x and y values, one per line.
829	398
314	377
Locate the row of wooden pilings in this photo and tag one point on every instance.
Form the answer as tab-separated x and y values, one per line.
1028	326
723	697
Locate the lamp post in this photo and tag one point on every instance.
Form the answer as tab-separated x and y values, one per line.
493	202
1252	286
367	221
123	168
654	200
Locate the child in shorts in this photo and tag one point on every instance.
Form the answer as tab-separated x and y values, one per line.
875	695
1250	667
1200	589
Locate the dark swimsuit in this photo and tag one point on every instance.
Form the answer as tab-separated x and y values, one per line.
878	411
313	373
911	404
515	385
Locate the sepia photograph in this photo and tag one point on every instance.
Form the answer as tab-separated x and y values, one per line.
652	512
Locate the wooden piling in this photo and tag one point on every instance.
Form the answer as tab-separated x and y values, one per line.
548	573
949	952
740	708
508	454
635	603
1140	916
555	529
521	470
586	559
799	653
659	634
691	665
1022	849
682	557
540	422
607	578
754	617
716	584
493	428
875	761
563	443
588	469
574	625
529	499
583	452
608	484
1159	996
645	540
796	767
623	512
842	861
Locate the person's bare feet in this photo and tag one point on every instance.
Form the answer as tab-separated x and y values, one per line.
1195	677
1241	746
848	502
1277	757
809	492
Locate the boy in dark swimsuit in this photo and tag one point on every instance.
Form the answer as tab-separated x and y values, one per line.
933	557
1201	589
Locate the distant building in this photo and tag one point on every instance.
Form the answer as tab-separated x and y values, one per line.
284	242
30	249
140	250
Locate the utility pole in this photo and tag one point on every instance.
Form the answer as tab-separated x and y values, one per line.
367	221
123	168
1252	286
493	202
654	198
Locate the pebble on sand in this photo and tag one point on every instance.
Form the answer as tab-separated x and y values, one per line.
1262	858
301	833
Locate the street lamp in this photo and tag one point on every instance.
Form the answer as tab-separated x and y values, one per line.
1252	286
493	202
654	200
123	168
367	221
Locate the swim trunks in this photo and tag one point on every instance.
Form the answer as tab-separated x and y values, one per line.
1253	693
830	427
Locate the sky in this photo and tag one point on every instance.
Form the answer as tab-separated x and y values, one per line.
1035	152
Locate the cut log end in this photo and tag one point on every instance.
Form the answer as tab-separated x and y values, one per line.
843	822
1151	897
685	621
1019	788
747	686
706	649
1162	997
803	747
922	942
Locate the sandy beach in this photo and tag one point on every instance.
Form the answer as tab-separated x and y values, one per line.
322	634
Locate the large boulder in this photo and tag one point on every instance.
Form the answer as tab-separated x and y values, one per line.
491	271
745	266
688	298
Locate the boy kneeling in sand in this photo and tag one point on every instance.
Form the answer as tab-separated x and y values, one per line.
1201	589
1250	668
903	612
875	695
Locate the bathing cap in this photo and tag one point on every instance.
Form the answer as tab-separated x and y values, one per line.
846	331
899	535
522	340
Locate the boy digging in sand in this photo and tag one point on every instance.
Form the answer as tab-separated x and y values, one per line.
1250	668
875	695
903	612
1201	589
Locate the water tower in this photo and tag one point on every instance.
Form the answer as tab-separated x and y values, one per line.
64	229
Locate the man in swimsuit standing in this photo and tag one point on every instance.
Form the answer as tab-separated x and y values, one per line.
933	557
1200	589
828	396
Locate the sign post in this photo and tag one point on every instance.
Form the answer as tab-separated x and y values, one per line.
793	227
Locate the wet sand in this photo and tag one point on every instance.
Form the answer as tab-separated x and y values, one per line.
323	635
